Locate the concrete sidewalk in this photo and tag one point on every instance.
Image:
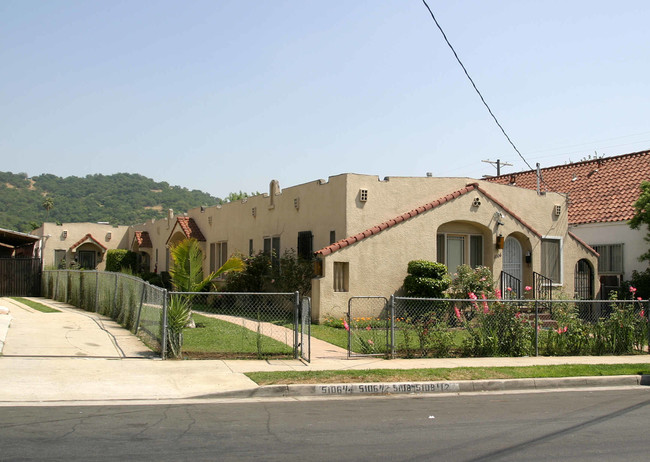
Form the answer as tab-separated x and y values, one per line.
75	356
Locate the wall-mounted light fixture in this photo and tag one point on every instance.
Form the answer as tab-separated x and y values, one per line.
500	242
498	216
529	257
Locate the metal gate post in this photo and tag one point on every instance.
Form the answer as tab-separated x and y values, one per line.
163	347
647	313
392	326
296	316
536	328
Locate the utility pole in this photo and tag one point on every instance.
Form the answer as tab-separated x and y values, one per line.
497	164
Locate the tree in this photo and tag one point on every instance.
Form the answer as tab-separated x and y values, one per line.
48	204
642	215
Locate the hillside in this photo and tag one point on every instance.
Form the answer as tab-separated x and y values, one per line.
121	199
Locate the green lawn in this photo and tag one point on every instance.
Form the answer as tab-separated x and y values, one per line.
458	373
36	305
213	338
338	336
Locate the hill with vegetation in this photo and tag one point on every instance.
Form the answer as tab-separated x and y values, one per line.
121	199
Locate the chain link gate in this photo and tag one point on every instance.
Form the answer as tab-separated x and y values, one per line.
304	345
368	326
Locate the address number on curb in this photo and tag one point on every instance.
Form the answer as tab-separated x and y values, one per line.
383	388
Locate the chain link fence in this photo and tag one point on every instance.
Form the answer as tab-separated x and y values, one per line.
247	325
132	302
422	327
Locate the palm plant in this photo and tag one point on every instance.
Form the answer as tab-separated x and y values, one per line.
187	276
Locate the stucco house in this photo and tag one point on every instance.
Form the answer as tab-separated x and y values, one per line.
601	194
82	243
364	230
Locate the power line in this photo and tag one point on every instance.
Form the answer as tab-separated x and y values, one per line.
474	85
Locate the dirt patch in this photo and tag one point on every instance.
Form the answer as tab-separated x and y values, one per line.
158	208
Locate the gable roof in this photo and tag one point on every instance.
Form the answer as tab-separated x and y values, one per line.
86	238
423	208
600	190
143	239
189	228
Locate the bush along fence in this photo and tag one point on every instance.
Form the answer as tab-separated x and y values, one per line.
480	327
132	302
242	325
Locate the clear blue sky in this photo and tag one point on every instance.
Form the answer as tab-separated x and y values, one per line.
226	95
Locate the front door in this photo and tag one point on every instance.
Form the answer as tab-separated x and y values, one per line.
86	259
512	263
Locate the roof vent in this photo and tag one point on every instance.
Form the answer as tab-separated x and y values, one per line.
363	195
558	210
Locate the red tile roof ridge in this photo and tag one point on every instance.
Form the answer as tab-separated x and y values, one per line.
590	248
143	239
87	237
392	222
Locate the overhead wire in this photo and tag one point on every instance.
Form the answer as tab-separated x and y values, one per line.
474	85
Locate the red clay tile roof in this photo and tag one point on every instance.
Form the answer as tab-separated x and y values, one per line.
190	228
143	239
405	216
600	190
87	237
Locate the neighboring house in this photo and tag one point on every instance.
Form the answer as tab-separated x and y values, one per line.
601	194
14	244
364	231
81	244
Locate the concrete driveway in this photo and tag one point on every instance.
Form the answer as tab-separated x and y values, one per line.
69	332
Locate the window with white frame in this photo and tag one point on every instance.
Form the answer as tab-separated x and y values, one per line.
552	259
218	255
459	249
611	258
341	276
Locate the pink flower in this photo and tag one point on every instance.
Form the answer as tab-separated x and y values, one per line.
368	328
486	308
528	288
509	289
346	326
457	311
518	315
642	313
639	298
370	342
561	331
632	289
497	292
472	295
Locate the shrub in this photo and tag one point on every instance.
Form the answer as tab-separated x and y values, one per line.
426	279
119	259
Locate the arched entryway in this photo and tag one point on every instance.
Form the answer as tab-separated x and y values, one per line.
512	266
584	280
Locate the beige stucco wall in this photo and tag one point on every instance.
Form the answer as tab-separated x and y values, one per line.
62	237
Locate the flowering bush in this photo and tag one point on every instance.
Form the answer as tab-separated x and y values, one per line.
498	329
472	280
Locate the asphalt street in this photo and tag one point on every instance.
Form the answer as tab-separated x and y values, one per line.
576	425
